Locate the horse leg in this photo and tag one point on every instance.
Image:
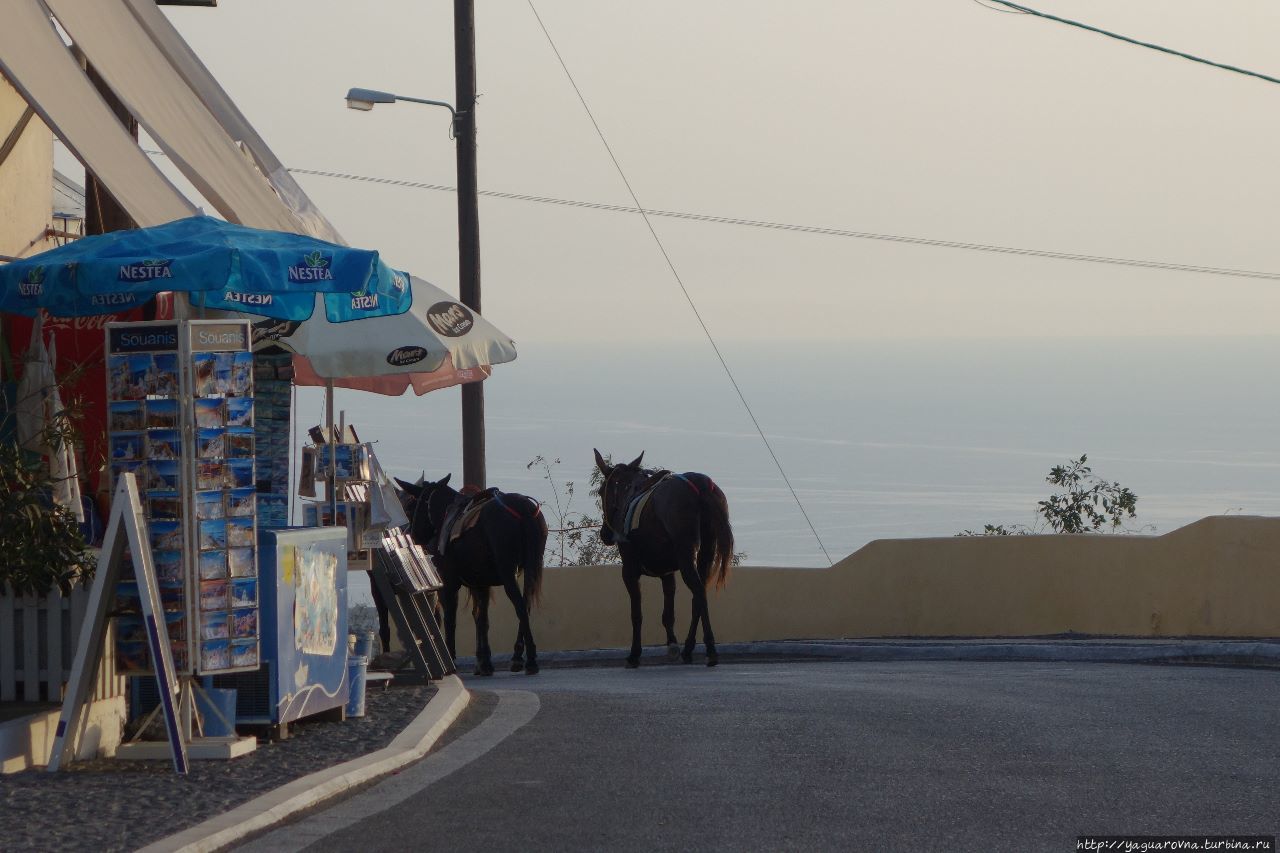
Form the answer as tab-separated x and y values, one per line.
484	658
449	599
669	615
694	581
524	632
632	582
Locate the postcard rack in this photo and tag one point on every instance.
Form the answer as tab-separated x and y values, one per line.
408	582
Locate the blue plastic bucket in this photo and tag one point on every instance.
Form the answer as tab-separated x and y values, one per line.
217	708
357	666
363	644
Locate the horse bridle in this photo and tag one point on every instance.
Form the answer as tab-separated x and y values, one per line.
604	499
418	504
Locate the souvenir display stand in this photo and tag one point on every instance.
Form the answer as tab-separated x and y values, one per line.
304	631
180	417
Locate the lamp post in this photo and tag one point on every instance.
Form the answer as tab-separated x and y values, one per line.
462	129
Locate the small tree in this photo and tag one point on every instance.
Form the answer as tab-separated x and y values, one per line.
1087	504
41	545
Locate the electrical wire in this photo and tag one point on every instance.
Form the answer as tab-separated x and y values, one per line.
675	273
1026	10
825	231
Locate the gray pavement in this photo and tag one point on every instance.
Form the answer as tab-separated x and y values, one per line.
844	756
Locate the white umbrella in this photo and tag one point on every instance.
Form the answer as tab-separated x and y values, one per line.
39	402
438	342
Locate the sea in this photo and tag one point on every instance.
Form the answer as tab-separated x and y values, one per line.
866	439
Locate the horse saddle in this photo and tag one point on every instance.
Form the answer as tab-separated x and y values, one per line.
465	514
639	500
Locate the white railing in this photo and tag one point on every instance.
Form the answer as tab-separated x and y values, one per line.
38	638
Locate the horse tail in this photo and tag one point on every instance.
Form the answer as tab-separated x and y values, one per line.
715	549
534	535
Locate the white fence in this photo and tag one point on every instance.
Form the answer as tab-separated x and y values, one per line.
38	638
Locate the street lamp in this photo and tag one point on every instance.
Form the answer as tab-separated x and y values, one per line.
462	129
364	99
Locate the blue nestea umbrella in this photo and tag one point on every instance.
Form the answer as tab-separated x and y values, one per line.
219	264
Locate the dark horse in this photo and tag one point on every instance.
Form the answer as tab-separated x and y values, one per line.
508	536
683	526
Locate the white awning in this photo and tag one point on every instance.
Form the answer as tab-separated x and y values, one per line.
148	85
38	64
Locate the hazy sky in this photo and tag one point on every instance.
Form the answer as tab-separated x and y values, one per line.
932	118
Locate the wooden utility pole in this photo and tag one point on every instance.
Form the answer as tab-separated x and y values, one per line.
464	46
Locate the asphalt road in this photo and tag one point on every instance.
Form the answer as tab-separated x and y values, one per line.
844	756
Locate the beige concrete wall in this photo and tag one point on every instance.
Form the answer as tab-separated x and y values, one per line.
27	742
1217	577
26	180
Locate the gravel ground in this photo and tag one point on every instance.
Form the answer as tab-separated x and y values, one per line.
123	805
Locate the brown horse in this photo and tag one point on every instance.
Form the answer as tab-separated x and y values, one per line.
665	523
508	536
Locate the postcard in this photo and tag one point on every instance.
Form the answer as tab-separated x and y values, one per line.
132	657
240	532
241	502
165	474
209	412
240	473
239	442
172	596
176	623
213	565
215	654
241	560
240	411
168	566
204	365
244	623
127	445
165	535
130	629
164	505
133	467
214	626
128	599
244	653
209	505
210	475
125	417
241	384
181	663
139	376
209	443
213	535
118	377
214	595
244	592
163	444
165	374
222	372
162	414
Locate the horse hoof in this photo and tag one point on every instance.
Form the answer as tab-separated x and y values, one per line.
532	669
484	670
686	657
518	665
712	660
673	652
632	663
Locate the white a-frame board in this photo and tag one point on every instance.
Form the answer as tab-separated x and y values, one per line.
126	522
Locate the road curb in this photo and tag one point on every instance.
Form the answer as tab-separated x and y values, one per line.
1242	652
282	803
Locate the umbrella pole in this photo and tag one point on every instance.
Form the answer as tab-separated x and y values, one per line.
332	480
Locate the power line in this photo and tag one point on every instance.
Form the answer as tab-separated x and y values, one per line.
671	265
816	229
1026	10
808	229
